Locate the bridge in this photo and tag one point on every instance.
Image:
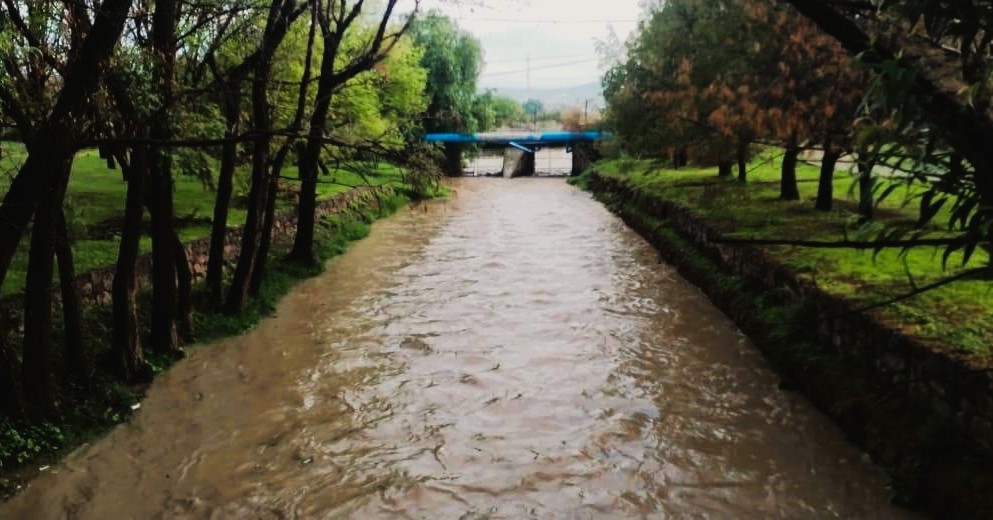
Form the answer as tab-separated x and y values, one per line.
523	146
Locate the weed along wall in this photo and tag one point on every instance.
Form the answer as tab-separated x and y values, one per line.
95	285
927	417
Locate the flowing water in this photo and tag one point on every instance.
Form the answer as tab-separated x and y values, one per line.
514	352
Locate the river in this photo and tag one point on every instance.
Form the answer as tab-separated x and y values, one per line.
513	352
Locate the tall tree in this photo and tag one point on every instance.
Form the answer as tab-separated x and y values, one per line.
336	23
453	59
164	337
42	179
282	13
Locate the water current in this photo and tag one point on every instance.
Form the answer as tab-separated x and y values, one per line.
513	352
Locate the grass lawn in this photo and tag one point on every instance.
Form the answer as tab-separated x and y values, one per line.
955	318
95	205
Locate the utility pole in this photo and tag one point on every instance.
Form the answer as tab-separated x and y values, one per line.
535	123
529	75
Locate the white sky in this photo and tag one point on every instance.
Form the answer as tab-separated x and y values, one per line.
559	36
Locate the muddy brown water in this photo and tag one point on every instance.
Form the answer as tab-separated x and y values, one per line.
514	352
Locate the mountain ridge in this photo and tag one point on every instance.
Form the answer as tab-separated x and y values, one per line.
572	96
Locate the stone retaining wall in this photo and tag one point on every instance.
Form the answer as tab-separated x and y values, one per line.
927	416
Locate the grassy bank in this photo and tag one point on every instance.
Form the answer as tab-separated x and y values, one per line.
91	409
95	205
954	319
908	416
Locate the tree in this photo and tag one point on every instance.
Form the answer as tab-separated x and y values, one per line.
334	75
280	17
39	186
724	74
506	111
453	59
533	108
660	101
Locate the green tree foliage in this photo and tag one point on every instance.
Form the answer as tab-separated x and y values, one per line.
453	59
382	105
506	111
533	109
493	111
713	77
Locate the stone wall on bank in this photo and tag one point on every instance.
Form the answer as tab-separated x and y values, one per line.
917	398
95	285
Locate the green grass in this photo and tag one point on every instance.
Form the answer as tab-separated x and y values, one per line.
955	318
95	205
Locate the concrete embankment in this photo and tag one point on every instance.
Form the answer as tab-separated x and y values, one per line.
923	415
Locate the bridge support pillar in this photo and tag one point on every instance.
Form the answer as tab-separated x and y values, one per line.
525	168
583	156
517	163
452	165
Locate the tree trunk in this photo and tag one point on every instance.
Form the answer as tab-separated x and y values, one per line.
866	184
825	184
37	375
225	187
788	189
724	169
164	298
265	246
184	295
303	242
682	157
11	403
269	219
238	293
80	362
183	279
741	155
262	263
164	337
125	358
276	26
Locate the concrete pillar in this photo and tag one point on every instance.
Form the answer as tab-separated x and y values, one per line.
452	165
582	157
525	168
517	163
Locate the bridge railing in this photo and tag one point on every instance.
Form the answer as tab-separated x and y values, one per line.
506	139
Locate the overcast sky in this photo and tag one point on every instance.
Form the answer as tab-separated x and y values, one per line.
559	36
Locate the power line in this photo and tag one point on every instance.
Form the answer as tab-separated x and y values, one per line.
540	58
544	67
547	20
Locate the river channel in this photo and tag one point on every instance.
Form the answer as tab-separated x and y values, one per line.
513	352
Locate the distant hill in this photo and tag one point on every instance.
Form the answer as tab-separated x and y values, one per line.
574	96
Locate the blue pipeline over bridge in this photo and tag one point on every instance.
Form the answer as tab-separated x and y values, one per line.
519	148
